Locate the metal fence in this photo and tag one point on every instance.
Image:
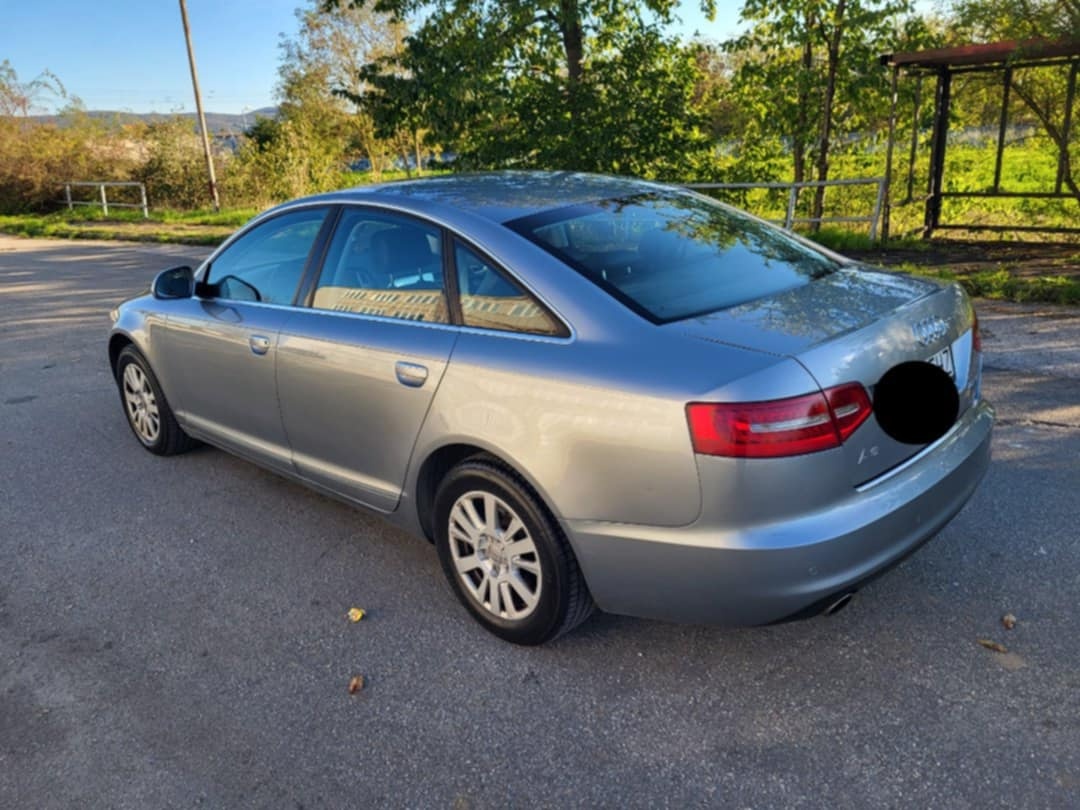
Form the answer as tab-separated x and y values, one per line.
102	199
790	215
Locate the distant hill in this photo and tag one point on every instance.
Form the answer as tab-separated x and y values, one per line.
217	123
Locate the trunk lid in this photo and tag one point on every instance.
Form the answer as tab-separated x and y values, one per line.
855	325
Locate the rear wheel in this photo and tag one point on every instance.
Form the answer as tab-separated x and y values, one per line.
148	413
505	557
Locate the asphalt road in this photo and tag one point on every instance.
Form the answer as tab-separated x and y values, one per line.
173	632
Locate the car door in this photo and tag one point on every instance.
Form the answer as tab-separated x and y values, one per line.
358	368
221	345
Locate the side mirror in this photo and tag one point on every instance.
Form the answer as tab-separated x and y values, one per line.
176	282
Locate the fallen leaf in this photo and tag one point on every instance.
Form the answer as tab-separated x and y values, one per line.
355	614
356	684
992	645
1008	621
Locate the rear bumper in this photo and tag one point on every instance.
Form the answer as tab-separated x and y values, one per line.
768	572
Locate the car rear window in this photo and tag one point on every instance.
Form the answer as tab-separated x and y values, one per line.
670	256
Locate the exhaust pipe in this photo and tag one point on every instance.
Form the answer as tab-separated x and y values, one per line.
840	603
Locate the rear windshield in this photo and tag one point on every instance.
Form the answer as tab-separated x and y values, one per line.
670	256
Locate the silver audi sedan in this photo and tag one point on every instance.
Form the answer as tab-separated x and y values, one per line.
586	391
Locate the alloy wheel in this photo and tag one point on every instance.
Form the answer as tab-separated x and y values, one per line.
141	404
494	555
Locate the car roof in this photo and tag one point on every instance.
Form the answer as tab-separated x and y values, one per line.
501	196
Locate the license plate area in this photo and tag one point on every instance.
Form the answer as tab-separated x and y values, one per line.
944	361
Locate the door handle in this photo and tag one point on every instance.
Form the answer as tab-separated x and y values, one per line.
411	374
259	344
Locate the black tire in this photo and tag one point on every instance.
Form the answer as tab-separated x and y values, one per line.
169	439
563	600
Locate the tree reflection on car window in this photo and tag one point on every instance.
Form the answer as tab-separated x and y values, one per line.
670	256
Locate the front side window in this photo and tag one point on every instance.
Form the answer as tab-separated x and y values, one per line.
670	256
490	300
386	265
266	263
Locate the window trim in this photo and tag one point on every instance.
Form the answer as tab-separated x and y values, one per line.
305	291
450	279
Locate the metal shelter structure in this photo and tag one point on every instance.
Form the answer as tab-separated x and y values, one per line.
944	63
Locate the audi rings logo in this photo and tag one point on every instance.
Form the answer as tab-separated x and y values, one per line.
929	330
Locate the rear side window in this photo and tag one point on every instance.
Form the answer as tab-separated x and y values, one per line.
491	300
386	265
265	264
670	256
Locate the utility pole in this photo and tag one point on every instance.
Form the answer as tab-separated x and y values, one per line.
199	109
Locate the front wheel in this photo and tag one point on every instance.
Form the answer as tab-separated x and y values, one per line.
148	413
505	557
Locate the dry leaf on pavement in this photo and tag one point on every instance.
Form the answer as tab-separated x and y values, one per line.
992	645
356	684
355	614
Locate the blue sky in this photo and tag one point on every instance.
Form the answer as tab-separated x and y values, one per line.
129	54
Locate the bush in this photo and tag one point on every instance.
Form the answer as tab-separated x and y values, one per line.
291	161
174	169
36	159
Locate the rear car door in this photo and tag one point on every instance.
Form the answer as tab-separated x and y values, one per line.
357	369
221	345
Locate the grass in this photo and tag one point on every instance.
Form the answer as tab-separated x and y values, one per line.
845	241
203	227
1001	285
1028	166
210	228
229	218
169	225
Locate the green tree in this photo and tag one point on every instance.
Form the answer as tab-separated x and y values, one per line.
335	43
809	72
587	84
1042	91
263	132
317	130
995	20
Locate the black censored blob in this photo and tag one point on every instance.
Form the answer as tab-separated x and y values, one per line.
916	402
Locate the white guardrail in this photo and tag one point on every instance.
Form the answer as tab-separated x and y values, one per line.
872	219
102	198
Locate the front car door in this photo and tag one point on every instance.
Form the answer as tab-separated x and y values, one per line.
222	344
358	368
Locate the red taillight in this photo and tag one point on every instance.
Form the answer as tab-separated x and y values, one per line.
779	427
850	406
976	338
